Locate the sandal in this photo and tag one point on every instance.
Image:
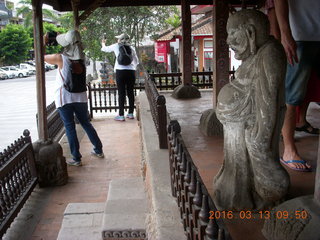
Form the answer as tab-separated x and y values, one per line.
308	129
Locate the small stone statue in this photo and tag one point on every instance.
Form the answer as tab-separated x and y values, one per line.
251	108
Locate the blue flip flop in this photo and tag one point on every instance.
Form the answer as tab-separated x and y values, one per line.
306	169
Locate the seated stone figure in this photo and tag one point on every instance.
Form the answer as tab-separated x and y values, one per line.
251	108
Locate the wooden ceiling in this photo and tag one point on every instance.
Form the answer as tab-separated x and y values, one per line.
65	5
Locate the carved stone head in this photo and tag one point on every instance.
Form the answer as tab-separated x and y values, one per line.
247	31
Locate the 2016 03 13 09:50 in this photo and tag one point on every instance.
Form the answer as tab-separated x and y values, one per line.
248	214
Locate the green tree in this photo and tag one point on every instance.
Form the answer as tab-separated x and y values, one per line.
138	22
174	21
26	11
15	44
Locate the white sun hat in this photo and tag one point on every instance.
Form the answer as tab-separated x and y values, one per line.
123	38
71	41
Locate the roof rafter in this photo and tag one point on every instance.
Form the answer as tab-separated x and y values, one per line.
90	9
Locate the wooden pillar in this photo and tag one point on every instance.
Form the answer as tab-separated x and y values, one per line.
317	180
220	47
75	8
186	42
40	72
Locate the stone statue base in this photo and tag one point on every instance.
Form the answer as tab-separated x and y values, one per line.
186	92
302	223
209	124
50	163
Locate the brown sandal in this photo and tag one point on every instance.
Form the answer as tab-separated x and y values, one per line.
308	129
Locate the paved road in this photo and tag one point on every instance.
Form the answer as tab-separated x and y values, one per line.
18	106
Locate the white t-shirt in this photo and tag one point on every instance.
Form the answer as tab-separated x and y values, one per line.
304	17
115	48
62	96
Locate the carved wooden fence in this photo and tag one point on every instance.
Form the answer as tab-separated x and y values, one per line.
104	97
158	109
193	199
55	124
17	179
168	81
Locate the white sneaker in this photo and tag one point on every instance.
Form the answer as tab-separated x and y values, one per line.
99	155
72	162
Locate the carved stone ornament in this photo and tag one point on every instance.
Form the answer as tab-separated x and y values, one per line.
50	163
186	92
251	108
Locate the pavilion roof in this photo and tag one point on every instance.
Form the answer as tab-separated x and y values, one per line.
201	27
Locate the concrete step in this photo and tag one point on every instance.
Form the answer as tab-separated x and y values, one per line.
82	221
125	212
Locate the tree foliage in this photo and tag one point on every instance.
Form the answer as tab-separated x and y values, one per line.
15	44
26	12
138	22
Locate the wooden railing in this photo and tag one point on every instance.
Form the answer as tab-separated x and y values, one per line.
158	109
17	179
104	97
194	201
55	124
168	81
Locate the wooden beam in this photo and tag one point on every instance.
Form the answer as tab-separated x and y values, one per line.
186	42
40	72
90	9
220	47
75	8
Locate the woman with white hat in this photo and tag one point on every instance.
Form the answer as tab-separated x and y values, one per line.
72	103
125	72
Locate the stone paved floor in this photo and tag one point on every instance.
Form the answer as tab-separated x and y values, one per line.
89	183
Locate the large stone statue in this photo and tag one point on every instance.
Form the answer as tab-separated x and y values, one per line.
251	108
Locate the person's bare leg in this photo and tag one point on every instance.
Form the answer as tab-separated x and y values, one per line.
290	151
302	114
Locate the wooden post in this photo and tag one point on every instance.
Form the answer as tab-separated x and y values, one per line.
40	72
186	42
220	47
317	180
75	8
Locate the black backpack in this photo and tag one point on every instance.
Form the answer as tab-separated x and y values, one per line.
125	55
77	82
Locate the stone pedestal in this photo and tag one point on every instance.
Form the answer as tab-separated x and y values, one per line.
297	219
186	92
50	163
209	124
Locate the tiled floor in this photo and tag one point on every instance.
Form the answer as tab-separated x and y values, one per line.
90	182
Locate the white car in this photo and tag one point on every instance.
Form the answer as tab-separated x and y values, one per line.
3	75
10	73
26	66
20	72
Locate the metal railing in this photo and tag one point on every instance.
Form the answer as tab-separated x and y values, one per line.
18	178
194	201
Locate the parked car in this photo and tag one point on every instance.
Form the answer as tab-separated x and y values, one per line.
10	73
50	66
20	72
31	69
3	75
